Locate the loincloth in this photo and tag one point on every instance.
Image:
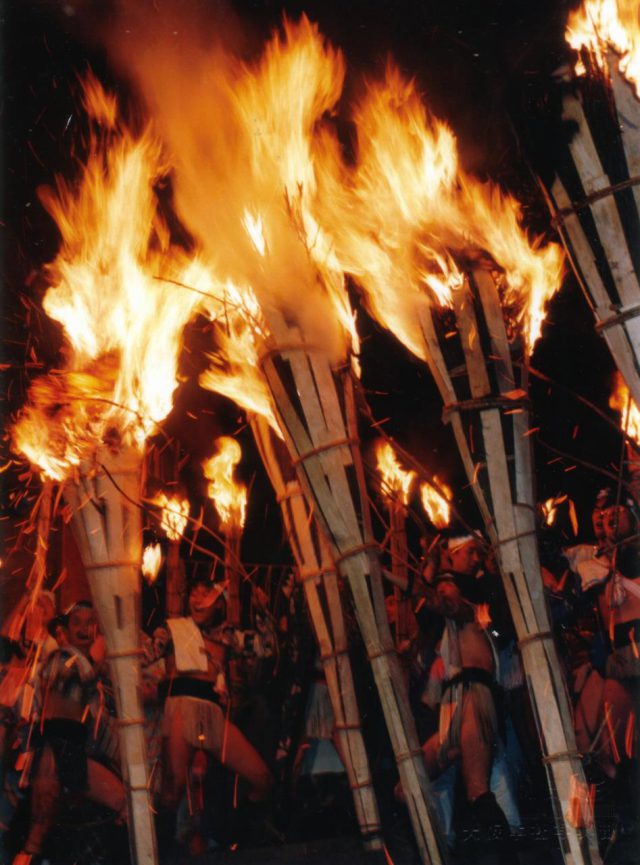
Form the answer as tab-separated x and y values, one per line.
68	741
472	690
202	719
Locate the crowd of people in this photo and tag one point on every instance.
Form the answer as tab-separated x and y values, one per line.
249	709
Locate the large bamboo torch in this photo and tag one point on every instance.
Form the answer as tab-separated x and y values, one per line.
230	501
174	515
395	489
595	197
439	256
114	289
250	204
317	572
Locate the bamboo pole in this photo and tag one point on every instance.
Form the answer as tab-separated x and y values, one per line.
398	548
604	263
176	581
317	573
493	401
316	411
38	572
107	525
233	538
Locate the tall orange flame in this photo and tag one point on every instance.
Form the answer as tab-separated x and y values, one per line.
396	482
174	516
115	270
414	217
242	141
603	27
229	497
436	506
620	401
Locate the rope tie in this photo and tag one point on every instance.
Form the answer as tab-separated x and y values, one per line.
130	722
291	493
594	196
403	756
121	564
532	638
124	653
310	576
354	551
329	656
618	318
562	755
285	347
381	654
527	534
344	728
134	787
361	785
483	403
322	448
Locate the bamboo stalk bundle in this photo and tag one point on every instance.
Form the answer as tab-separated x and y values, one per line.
107	525
317	573
316	412
595	199
486	402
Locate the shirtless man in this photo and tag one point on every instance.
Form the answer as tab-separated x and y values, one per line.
61	765
196	649
468	718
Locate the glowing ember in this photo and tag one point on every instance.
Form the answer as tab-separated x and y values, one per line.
621	402
436	506
604	26
107	285
415	219
229	498
151	561
175	514
396	482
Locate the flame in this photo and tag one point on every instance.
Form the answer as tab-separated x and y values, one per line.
174	517
482	616
412	216
151	561
601	26
436	506
234	369
242	138
229	498
621	401
396	482
114	271
550	508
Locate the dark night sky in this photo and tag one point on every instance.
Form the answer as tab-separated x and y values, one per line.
483	66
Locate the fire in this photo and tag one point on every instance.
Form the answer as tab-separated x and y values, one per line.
550	508
151	561
229	498
414	219
437	506
621	401
242	137
605	26
234	367
174	516
111	277
396	482
482	616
